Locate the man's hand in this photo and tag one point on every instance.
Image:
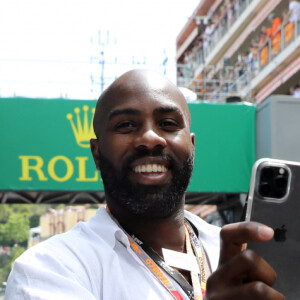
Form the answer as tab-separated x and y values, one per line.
242	275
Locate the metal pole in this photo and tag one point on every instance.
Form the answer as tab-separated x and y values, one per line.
102	71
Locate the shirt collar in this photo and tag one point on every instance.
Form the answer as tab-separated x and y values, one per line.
107	229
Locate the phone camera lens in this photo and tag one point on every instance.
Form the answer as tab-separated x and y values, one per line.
279	193
281	185
267	173
265	189
280	181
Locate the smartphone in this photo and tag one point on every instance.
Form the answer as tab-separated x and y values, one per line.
274	200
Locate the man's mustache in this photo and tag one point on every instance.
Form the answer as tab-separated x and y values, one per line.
141	153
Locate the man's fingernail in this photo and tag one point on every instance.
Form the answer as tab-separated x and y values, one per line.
265	232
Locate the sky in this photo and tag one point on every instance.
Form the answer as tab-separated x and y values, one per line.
53	49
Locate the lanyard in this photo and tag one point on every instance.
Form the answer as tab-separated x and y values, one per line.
155	270
193	245
184	284
151	260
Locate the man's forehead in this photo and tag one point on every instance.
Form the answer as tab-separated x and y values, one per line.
138	109
155	102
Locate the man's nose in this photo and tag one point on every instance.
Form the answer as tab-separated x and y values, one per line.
150	139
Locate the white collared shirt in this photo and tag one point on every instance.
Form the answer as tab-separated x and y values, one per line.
94	261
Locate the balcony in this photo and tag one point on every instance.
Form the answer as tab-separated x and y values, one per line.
279	57
253	79
225	30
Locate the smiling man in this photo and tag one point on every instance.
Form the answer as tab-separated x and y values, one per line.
144	145
144	245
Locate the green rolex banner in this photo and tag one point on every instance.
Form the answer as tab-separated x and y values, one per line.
45	146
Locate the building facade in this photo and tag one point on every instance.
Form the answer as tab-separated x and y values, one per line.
57	221
232	50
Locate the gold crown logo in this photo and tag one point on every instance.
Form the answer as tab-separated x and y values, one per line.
83	131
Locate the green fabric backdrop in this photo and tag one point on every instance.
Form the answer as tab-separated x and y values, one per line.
39	150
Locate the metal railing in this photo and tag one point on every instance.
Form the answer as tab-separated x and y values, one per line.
225	24
218	84
274	46
214	83
209	42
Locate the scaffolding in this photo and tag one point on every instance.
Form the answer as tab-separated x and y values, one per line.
219	84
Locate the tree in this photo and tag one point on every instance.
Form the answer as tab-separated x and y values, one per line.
34	221
15	221
5	212
6	261
5	266
14	231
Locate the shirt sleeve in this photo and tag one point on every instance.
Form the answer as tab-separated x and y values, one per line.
29	281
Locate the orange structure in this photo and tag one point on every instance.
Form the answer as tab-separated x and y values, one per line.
248	58
276	35
288	32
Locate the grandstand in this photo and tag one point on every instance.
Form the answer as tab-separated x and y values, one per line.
235	50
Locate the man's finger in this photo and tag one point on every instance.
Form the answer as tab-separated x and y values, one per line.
245	267
245	276
233	236
249	291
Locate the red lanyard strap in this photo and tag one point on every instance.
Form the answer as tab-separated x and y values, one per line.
194	246
150	264
152	260
187	288
155	270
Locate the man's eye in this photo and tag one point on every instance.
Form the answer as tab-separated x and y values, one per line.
169	124
125	126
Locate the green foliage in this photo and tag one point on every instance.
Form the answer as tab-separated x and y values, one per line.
29	209
34	221
59	206
15	221
5	268
14	231
16	252
6	261
5	212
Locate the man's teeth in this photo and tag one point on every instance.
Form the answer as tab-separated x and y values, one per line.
150	168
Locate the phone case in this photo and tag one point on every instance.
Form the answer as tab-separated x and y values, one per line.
283	215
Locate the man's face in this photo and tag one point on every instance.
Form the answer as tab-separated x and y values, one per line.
146	151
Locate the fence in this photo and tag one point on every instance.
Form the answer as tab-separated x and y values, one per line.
218	84
197	57
275	44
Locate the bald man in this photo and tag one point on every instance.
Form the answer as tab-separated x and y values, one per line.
143	245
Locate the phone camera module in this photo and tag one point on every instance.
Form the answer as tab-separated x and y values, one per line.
273	182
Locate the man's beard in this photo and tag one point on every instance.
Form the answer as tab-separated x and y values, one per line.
143	200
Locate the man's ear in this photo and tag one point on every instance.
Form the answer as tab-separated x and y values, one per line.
193	138
95	151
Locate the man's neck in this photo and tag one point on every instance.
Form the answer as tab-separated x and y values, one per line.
157	233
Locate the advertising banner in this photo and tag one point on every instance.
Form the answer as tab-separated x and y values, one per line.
45	146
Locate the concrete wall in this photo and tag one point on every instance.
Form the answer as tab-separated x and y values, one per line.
278	128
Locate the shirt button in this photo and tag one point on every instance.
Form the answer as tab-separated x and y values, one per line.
124	240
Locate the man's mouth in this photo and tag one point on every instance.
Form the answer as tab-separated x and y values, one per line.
150	168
